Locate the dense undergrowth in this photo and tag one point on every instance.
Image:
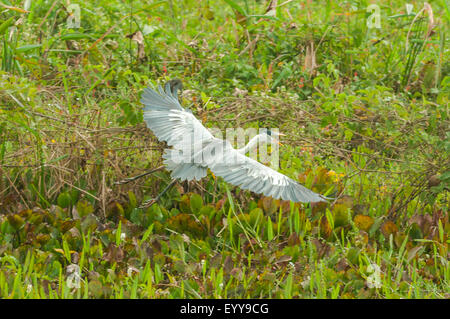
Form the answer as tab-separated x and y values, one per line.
364	109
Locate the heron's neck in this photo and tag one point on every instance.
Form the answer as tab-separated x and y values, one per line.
250	146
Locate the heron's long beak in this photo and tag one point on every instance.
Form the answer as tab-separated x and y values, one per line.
280	134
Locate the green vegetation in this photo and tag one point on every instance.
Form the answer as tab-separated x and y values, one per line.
365	110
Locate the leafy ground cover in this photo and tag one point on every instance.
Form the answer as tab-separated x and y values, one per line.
366	114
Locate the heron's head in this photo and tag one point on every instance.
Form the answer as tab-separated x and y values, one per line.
270	136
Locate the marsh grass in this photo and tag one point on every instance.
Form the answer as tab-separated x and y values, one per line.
366	118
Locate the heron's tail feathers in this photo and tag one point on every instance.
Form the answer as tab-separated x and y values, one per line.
182	168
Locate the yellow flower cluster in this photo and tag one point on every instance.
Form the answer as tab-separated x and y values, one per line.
336	177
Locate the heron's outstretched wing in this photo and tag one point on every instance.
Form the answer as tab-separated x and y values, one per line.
245	172
169	121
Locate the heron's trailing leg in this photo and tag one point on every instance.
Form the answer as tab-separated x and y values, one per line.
150	202
131	179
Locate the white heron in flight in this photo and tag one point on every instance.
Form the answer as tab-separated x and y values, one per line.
178	127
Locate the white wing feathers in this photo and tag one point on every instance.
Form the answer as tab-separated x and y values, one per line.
171	123
245	172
